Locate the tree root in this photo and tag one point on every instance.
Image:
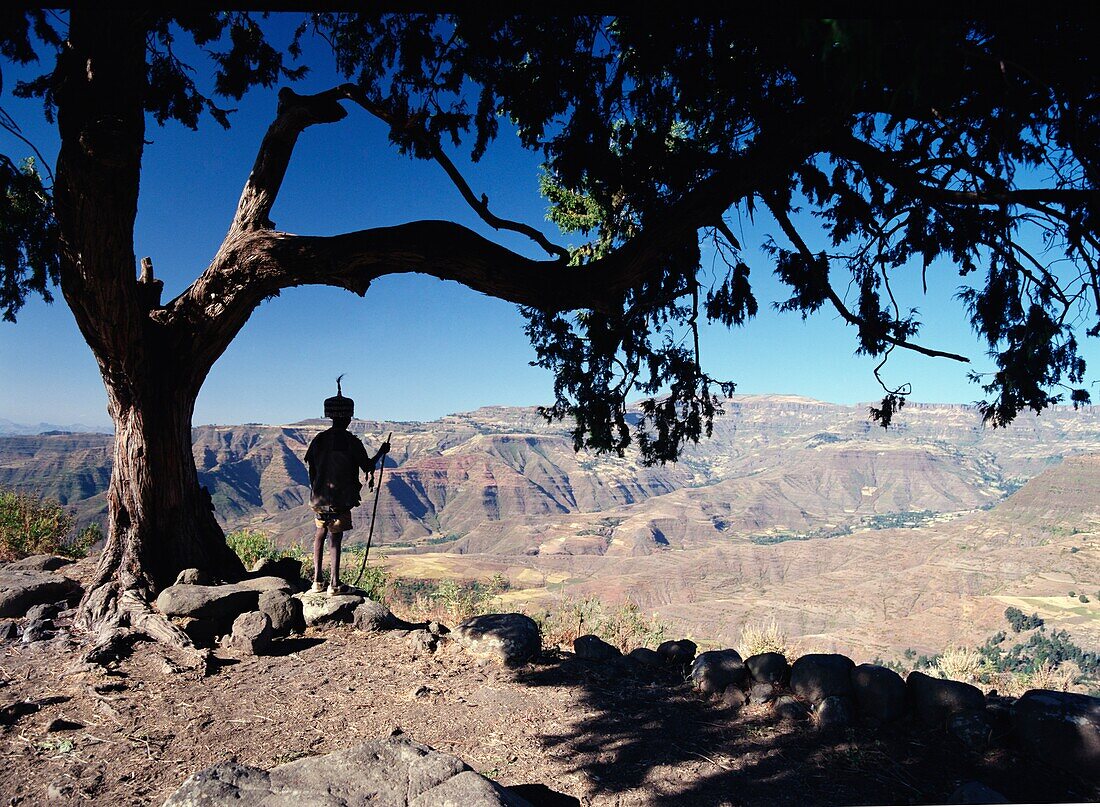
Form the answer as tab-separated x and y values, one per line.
130	618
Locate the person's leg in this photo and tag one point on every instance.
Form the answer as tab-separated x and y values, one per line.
318	555
335	539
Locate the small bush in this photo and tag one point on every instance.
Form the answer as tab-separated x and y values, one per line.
1083	598
961	664
251	546
624	626
30	525
761	638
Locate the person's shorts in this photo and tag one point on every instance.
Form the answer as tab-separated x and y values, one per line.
334	522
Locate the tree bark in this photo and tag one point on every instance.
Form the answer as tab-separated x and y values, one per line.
161	520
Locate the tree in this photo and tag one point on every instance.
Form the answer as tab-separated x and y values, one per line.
909	141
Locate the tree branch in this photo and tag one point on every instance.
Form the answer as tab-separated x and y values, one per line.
295	113
479	205
799	244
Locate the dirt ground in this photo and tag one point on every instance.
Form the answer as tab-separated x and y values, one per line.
603	734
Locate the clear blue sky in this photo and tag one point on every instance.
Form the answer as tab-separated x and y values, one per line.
414	348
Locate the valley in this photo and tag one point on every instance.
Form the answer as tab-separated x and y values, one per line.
848	537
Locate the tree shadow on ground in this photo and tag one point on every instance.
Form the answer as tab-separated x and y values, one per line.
646	733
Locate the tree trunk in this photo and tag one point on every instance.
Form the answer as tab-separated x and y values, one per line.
161	520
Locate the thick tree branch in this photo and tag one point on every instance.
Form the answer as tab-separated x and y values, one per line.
796	239
295	113
480	204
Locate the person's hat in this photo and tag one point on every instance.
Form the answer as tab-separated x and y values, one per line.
338	406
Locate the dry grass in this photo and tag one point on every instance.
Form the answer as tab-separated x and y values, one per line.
962	664
623	626
765	638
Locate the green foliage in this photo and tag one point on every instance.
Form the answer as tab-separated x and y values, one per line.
1083	598
28	236
30	525
1021	622
252	545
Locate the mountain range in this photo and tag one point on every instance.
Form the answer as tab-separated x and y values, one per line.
795	510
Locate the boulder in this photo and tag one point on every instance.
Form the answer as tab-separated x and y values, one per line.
194	577
251	633
422	641
879	693
788	707
9	631
934	699
818	676
769	668
972	728
38	563
715	670
393	772
681	651
759	694
22	589
511	639
1062	728
320	608
594	648
733	697
283	611
289	569
975	793
646	657
373	617
46	610
207	603
835	712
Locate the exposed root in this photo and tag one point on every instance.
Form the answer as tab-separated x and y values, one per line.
133	619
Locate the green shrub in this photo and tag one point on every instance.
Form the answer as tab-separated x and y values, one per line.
30	525
251	546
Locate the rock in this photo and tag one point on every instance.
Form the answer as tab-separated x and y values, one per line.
715	670
511	639
788	707
835	712
371	616
43	611
38	631
283	611
769	668
678	652
646	657
759	694
879	693
594	648
437	629
9	631
972	728
1062	728
733	697
818	676
319	608
393	772
251	634
422	641
22	589
975	793
289	569
194	577
933	699
217	603
38	563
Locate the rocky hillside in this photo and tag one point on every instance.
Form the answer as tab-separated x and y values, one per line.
502	480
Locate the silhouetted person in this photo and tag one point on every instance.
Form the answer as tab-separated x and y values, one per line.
334	459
